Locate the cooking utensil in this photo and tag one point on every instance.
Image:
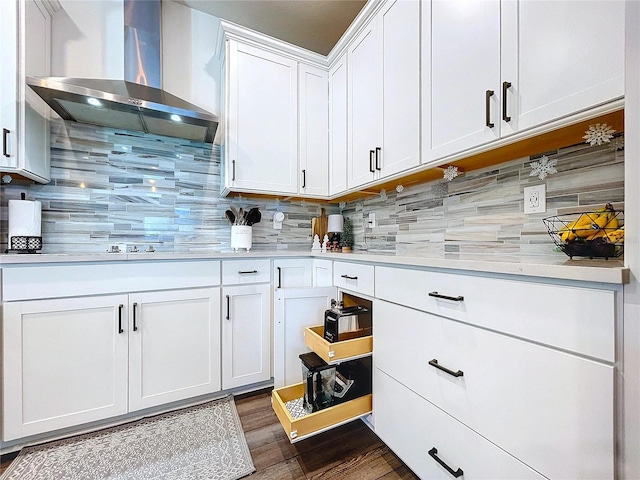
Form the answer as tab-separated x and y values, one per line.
241	219
230	216
235	214
253	216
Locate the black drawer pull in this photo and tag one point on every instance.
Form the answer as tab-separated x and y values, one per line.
348	277
5	141
120	307
371	153
455	473
459	298
488	95
279	277
228	317
247	271
505	86
434	363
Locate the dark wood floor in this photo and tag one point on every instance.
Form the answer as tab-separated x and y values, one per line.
349	452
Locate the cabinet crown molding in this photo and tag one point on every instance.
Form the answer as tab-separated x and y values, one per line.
257	39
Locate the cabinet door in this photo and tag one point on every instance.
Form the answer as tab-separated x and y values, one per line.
365	105
574	63
313	131
400	32
35	54
174	346
8	86
246	335
64	363
463	57
338	119
294	310
292	273
262	121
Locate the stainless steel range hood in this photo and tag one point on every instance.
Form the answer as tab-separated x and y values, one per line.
136	103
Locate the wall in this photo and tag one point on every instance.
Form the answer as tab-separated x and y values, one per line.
480	212
111	187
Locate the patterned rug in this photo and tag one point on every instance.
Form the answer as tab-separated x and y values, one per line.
196	443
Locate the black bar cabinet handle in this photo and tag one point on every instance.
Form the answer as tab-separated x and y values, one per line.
378	151
233	170
135	326
228	307
487	107
459	298
505	87
304	178
279	277
348	277
434	363
5	142
371	152
120	307
244	272
455	473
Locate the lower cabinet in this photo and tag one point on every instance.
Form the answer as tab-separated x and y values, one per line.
434	444
246	334
174	346
550	409
77	360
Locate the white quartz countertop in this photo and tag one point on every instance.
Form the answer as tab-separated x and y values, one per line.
552	266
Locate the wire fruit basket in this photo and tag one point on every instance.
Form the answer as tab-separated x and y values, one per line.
596	234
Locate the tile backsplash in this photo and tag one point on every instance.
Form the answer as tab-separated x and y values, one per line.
116	187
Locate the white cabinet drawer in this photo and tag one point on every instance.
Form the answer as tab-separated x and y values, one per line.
572	318
353	276
239	272
517	394
51	281
412	427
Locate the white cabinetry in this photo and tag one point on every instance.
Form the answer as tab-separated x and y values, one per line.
174	346
338	121
294	310
383	88
70	359
24	117
64	363
246	322
292	272
496	370
490	70
313	131
261	151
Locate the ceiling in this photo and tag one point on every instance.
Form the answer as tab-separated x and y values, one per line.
316	25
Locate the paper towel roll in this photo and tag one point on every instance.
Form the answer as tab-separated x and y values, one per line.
24	218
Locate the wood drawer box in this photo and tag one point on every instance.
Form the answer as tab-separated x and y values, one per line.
316	422
517	394
240	272
412	427
338	351
353	276
577	319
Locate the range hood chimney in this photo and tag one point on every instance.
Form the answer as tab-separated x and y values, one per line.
138	102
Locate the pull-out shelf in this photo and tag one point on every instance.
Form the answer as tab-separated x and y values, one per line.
317	422
337	352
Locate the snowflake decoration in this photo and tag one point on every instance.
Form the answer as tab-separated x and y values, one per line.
451	172
598	134
342	205
383	195
543	168
399	188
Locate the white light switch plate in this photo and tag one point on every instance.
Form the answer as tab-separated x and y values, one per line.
535	200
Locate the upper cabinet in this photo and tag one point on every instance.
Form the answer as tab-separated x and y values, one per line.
576	62
338	117
24	117
262	121
383	93
313	133
491	69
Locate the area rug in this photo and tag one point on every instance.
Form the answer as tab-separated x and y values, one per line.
196	443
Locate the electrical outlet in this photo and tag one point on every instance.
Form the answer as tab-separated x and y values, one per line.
372	220
535	200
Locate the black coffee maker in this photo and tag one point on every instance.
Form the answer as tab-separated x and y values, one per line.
343	323
319	381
